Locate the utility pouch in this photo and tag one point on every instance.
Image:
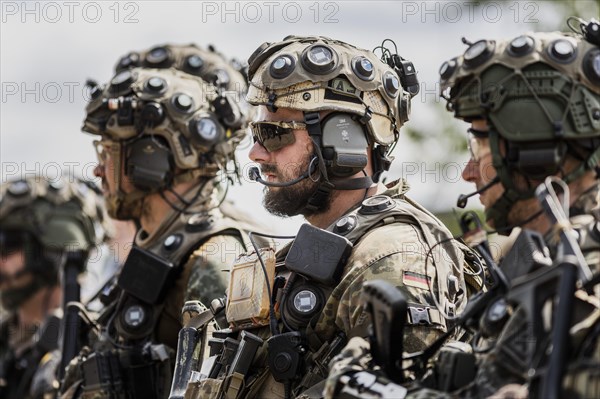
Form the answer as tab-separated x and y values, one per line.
318	255
102	375
146	275
248	299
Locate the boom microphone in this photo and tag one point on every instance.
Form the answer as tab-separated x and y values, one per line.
254	174
463	198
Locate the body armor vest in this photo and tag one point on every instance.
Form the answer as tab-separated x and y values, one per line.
142	367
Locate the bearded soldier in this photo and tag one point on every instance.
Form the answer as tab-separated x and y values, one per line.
328	116
533	103
40	220
169	122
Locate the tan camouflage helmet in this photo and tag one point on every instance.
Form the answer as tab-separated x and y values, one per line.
168	103
229	75
210	65
166	126
61	213
318	73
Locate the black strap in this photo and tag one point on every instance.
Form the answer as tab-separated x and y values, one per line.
353	184
313	126
320	196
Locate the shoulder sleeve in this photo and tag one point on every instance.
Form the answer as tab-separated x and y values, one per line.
396	253
209	266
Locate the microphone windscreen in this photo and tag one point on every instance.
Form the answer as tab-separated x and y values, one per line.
462	201
253	173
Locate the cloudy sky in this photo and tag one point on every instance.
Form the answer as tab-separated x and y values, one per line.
49	49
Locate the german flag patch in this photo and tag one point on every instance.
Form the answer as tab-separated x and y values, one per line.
417	280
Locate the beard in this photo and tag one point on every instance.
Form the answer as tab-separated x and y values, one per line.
292	200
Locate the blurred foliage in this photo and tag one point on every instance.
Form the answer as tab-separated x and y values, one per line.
448	134
452	220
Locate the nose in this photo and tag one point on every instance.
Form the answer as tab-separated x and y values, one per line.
259	154
99	171
470	171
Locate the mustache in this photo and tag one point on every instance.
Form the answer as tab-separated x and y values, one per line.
269	168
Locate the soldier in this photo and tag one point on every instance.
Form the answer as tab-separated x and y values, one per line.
533	103
166	158
40	220
328	117
534	107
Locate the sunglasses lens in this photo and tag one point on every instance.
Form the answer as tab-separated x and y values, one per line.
272	136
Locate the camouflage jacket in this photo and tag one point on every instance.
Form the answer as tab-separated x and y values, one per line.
502	370
393	245
505	363
200	247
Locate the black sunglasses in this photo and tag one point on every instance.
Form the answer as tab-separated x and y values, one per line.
275	135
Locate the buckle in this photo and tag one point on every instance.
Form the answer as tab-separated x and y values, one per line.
419	316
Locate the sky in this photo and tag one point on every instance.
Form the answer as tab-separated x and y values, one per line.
48	49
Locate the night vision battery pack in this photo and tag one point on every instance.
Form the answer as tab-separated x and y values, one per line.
146	275
248	299
318	254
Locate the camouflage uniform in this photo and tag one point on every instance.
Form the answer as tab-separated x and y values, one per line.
506	363
163	125
539	92
43	218
393	242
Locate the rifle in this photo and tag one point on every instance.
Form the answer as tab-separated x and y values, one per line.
575	272
196	318
74	265
383	302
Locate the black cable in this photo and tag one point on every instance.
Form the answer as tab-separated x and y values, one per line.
430	283
508	228
82	311
285	292
366	189
109	325
288	389
187	204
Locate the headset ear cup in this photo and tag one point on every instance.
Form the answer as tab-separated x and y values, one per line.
344	144
149	164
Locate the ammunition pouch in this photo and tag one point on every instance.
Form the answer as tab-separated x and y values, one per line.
135	372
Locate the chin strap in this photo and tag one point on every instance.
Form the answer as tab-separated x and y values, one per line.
591	163
357	183
500	209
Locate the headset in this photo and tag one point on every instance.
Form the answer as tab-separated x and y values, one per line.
344	144
150	163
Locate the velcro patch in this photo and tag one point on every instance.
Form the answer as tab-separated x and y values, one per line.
417	280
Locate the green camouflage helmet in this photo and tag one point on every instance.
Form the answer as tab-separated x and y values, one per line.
62	213
536	87
318	73
540	93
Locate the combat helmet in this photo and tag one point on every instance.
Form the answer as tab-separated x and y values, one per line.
540	94
163	125
370	99
44	218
